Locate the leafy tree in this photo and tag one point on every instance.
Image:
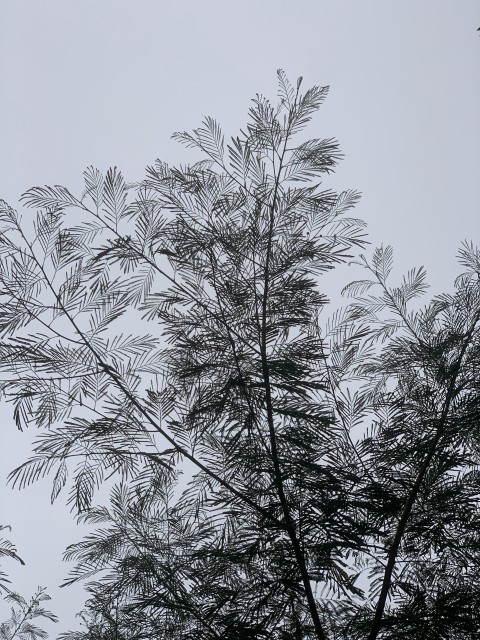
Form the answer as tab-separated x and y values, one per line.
19	625
251	502
422	389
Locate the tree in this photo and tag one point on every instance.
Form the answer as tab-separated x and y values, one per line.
249	502
423	447
19	625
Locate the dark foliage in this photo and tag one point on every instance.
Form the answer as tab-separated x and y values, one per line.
278	476
19	624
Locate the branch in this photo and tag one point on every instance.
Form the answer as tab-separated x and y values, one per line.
135	402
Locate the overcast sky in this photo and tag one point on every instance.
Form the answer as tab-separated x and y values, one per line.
106	82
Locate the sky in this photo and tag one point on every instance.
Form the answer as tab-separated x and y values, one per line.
106	82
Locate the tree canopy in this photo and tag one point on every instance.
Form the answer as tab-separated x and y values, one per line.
274	473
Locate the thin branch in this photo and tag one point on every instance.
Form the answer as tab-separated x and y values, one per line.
135	402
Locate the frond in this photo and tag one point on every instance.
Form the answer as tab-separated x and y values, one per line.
114	196
56	198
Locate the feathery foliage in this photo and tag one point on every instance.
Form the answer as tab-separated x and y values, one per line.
19	624
8	550
276	475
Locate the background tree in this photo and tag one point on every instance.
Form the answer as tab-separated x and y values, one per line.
422	388
19	624
285	503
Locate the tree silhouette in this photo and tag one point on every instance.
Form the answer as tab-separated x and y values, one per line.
19	624
279	475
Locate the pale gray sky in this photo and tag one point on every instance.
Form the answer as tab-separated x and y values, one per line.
105	82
